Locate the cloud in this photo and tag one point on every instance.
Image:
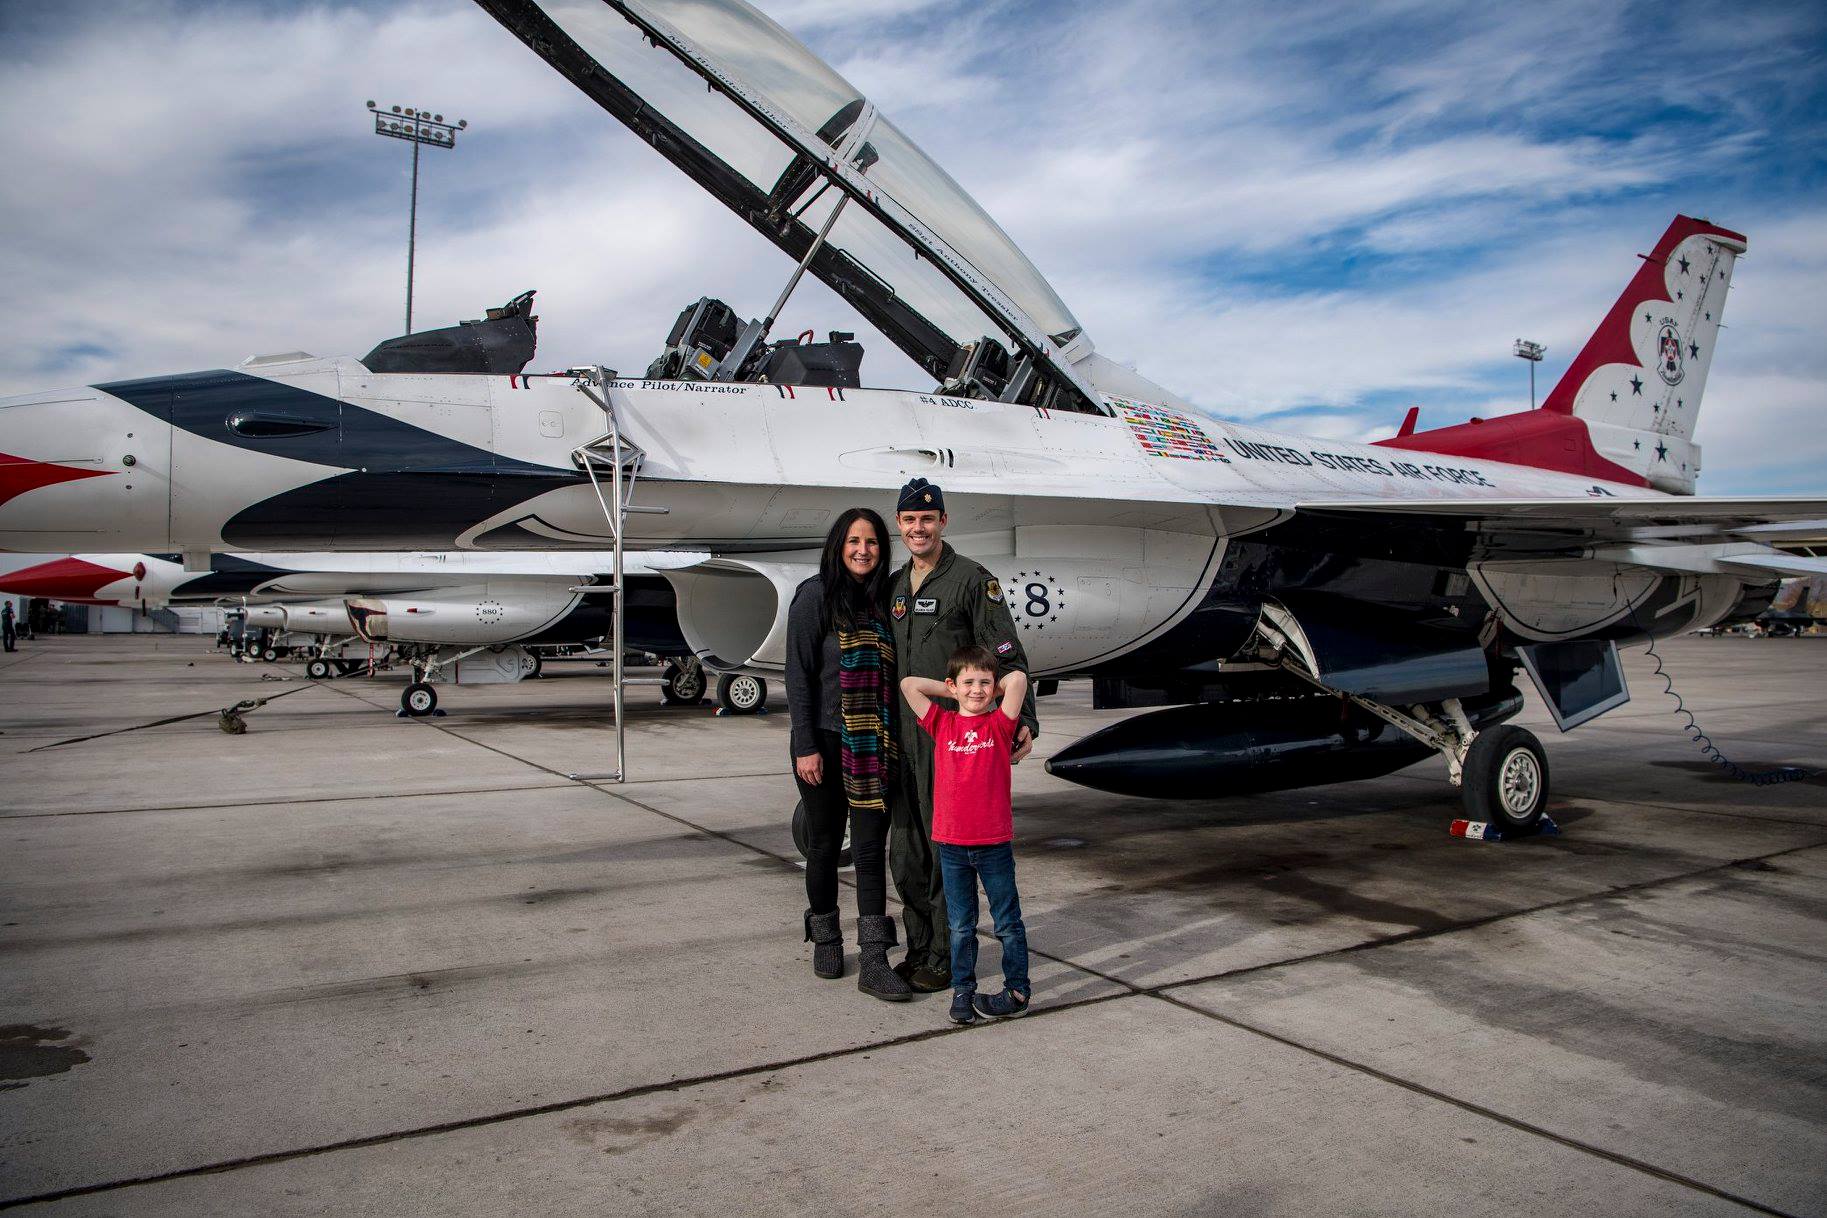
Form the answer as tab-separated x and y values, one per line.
1313	215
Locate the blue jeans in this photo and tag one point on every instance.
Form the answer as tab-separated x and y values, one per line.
962	867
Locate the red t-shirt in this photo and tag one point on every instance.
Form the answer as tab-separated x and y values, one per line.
971	776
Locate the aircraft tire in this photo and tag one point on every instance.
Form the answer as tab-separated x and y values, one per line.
684	686
1506	778
318	670
539	667
418	700
802	836
270	654
740	694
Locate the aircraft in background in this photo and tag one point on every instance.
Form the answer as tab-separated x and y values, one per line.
457	618
1320	610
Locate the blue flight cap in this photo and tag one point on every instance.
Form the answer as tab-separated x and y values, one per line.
919	495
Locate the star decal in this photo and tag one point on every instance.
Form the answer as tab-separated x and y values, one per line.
1684	266
1661	451
1680	295
1655	407
1647	317
1679	403
1693	350
1636	386
1636	444
1709	317
1614	395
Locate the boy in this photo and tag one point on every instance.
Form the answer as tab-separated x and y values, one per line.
972	826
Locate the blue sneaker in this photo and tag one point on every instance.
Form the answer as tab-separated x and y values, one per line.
962	1010
1010	1004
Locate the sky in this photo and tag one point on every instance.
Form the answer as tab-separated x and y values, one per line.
1305	216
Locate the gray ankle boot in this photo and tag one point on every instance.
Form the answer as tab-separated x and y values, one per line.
874	936
825	932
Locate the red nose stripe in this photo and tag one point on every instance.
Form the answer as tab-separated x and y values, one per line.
21	474
61	579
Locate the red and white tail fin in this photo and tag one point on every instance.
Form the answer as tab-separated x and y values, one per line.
1625	409
1638	382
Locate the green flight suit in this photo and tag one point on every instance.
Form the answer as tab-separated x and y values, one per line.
958	603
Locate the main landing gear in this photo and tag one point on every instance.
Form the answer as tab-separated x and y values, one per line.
1500	769
740	694
418	700
802	837
1505	777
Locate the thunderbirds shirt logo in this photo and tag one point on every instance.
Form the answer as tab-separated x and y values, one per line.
969	743
1163	433
1668	352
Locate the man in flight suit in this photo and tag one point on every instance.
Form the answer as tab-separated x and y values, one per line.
939	601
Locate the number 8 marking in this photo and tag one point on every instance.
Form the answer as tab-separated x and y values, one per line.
1038	605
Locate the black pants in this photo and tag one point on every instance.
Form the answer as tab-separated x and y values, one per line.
826	812
9	637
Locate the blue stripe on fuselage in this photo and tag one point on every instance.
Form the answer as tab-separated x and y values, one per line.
396	472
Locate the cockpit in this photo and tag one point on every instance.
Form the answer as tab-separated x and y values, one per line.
803	157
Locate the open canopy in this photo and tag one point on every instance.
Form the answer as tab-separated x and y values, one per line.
782	139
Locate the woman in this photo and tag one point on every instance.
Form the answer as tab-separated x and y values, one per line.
841	691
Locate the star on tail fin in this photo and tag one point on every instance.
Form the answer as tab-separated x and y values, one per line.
1637	383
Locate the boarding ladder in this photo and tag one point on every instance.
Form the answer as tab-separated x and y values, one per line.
615	455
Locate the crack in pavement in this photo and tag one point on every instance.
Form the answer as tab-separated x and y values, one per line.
1126	990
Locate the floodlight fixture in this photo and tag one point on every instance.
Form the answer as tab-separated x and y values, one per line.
1532	352
420	128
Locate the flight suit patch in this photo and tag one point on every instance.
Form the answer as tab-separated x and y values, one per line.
926	605
1003	649
899	609
993	591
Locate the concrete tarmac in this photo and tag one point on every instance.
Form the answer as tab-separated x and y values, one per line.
349	963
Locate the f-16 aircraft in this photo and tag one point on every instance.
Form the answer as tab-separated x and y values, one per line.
1320	610
463	618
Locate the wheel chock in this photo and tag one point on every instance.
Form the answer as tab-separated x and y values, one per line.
1485	831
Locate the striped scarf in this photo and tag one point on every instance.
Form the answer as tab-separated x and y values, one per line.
865	682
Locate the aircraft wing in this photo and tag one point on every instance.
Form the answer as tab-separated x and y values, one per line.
1725	514
1701	535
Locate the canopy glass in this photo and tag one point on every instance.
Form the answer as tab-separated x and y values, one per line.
771	136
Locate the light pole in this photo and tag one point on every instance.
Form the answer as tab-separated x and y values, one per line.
418	126
1532	352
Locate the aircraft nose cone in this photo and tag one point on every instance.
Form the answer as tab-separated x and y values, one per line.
61	579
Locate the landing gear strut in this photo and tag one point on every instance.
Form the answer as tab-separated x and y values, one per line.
1501	771
684	683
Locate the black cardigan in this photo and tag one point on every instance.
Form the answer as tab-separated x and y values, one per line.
813	698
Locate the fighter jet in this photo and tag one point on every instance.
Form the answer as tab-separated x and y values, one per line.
1308	611
457	618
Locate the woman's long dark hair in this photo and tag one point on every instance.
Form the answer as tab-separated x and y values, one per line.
847	599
